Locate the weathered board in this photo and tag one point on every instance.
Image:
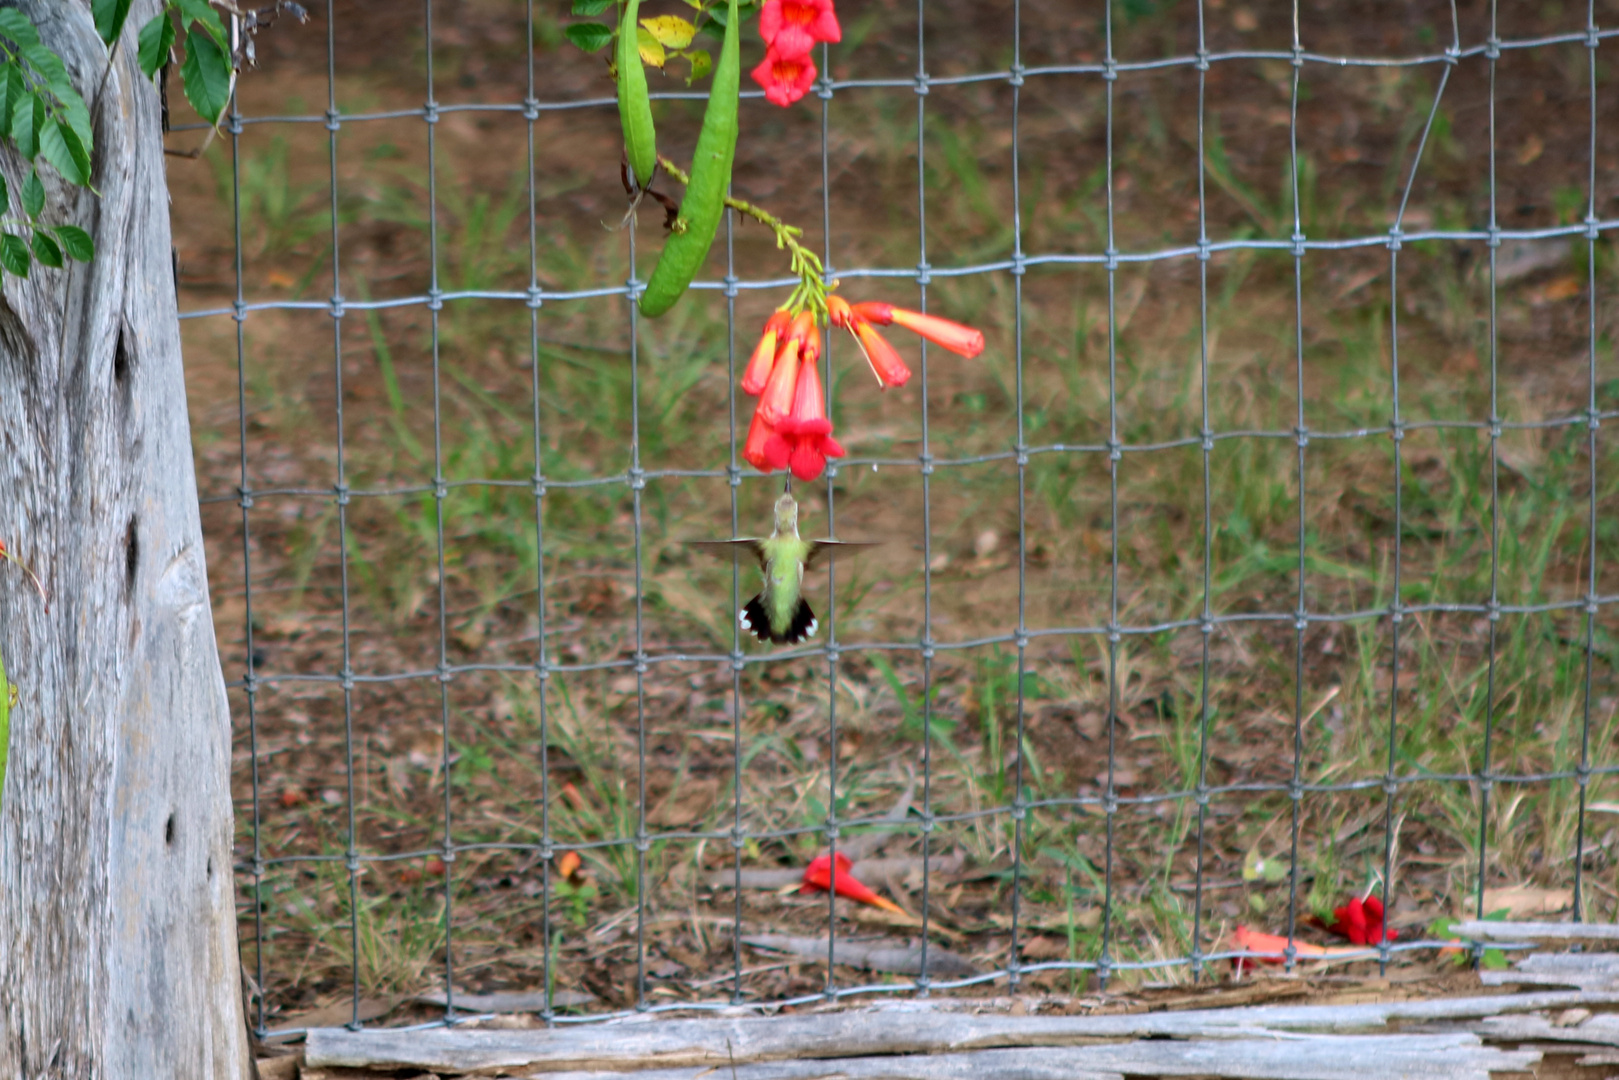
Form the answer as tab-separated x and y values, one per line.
909	1028
1312	1057
1587	971
1484	930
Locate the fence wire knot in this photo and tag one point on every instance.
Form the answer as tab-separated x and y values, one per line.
531	109
430	111
335	306
341	491
334	120
244	498
536	298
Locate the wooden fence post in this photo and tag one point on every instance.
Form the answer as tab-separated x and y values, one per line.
118	950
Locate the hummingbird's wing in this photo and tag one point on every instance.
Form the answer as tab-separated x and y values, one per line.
826	550
732	549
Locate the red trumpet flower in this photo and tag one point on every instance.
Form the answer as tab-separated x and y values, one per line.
757	374
883	358
1361	921
820	875
765	449
960	339
808	431
784	78
792	27
777	400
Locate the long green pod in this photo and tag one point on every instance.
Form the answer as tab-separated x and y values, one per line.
634	106
704	203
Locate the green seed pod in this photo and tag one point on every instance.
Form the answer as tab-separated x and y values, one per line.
704	203
634	106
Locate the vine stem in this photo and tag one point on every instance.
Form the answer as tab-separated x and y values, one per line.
812	286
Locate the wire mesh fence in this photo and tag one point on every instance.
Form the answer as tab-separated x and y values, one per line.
1039	830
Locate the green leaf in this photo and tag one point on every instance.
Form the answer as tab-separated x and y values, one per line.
206	74
1256	867
46	251
10	93
14	255
110	16
670	31
701	64
591	7
60	145
26	119
198	13
155	40
5	197
652	53
17	27
589	36
33	195
76	242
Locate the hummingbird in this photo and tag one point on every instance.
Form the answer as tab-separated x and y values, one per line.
779	612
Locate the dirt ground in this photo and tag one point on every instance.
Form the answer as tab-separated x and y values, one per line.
496	762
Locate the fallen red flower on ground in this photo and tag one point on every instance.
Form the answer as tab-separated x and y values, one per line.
819	875
1361	921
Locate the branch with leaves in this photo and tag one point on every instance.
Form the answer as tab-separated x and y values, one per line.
44	117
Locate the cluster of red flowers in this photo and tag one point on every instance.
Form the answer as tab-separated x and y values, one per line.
1361	921
790	29
790	428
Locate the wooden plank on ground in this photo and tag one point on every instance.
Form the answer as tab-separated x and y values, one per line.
1601	1029
1587	971
1485	930
903	1028
1315	1057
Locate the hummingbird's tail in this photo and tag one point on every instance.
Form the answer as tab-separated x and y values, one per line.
754	619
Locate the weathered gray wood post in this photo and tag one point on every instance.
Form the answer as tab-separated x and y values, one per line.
118	952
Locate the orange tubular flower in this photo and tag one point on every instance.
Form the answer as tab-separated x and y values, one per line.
777	399
792	27
808	415
765	449
807	429
963	340
757	375
884	360
784	78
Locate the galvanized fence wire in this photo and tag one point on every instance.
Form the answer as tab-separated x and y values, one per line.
636	476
